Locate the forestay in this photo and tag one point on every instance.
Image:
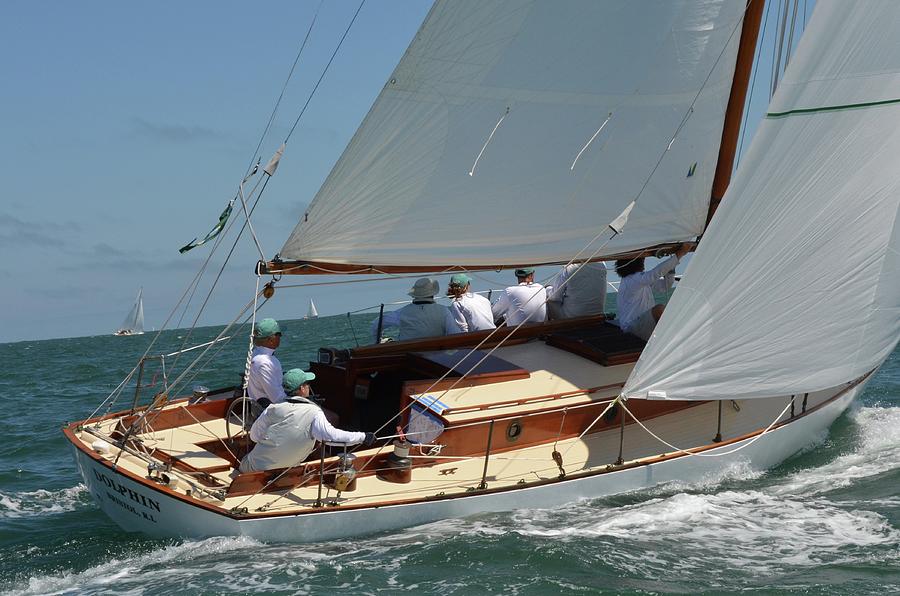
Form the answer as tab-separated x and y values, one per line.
434	177
796	284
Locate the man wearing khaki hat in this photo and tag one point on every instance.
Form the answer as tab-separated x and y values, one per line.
264	381
422	318
523	302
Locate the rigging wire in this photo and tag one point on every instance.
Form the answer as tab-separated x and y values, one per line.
756	66
790	42
265	132
322	76
110	400
779	46
264	181
253	158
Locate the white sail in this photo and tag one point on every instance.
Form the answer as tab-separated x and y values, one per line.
513	132
312	313
134	322
796	284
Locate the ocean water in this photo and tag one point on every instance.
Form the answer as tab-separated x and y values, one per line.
826	521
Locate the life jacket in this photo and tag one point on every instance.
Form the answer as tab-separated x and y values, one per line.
287	440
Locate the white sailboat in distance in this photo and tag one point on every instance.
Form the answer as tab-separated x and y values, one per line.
312	313
134	322
567	131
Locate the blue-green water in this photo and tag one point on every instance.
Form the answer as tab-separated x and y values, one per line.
827	521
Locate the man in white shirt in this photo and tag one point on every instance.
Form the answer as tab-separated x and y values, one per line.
286	433
523	302
637	310
579	290
264	381
422	318
467	311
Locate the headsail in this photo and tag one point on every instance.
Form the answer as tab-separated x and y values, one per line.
796	284
516	94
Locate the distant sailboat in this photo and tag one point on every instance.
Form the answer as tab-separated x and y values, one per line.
134	322
312	313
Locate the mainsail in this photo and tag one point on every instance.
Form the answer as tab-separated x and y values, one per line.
134	322
796	285
512	132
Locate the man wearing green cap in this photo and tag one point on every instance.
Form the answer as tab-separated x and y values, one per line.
468	311
286	432
526	301
264	381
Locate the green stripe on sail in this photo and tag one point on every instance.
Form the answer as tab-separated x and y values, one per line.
849	106
212	233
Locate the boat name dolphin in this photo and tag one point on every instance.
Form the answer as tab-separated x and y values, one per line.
125	491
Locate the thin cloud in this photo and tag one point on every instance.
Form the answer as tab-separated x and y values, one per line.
18	232
173	133
106	250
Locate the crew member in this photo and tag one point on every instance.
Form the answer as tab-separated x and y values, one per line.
467	311
636	306
579	290
264	382
286	432
422	318
523	302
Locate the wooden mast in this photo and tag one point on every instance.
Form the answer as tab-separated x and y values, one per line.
734	112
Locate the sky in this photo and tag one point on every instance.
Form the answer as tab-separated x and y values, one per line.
126	128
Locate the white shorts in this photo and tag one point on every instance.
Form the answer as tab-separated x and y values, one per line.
642	326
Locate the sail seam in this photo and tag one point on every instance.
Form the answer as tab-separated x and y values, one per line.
848	106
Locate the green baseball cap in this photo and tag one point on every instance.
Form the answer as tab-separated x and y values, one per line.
266	328
460	279
295	378
524	271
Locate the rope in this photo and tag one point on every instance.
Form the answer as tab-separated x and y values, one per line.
691	453
591	425
246	382
211	433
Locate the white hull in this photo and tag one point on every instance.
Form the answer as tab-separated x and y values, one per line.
139	507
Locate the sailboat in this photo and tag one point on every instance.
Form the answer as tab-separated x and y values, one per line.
514	134
312	313
134	322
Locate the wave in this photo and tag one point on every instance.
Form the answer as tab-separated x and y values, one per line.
42	502
876	451
131	572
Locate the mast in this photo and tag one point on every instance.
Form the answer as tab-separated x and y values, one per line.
735	111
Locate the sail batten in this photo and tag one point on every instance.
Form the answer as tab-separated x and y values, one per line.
401	194
795	287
